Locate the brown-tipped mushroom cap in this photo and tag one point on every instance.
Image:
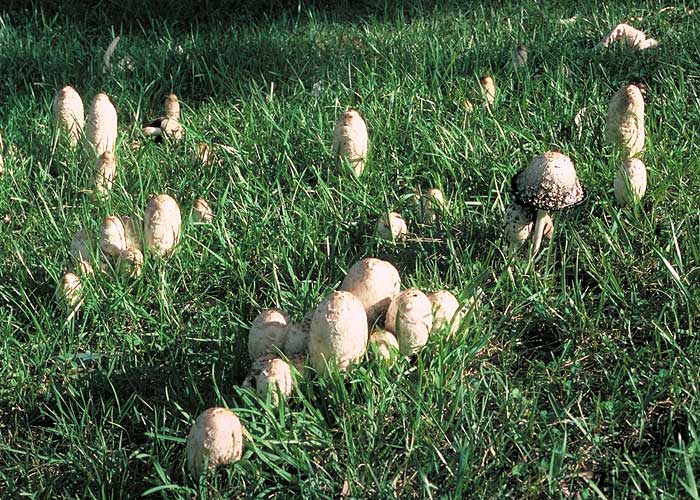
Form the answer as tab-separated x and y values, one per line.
548	183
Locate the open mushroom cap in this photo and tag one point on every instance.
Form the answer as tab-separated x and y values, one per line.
548	183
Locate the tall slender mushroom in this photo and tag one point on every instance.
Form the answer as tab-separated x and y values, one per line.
549	183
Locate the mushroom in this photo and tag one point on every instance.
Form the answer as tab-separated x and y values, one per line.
432	203
83	268
519	57
410	318
130	262
517	225
69	292
338	335
101	131
104	173
488	89
216	438
161	225
202	211
112	236
297	341
350	140
445	310
634	39
375	282
630	182
268	333
169	124
68	113
549	183
270	373
624	125
391	226
384	343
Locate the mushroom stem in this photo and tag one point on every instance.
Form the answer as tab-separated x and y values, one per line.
539	230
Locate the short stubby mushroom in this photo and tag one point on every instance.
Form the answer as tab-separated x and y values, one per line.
410	318
161	225
549	183
112	236
268	333
384	343
630	182
350	140
446	309
338	335
69	292
216	438
202	211
624	125
270	373
375	282
167	125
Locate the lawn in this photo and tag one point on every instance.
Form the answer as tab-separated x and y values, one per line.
577	376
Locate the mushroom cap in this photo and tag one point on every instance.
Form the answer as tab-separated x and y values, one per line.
445	309
130	262
548	183
112	236
202	211
384	343
432	203
272	373
338	335
268	333
624	123
172	107
161	224
517	224
101	129
216	438
630	182
350	140
69	291
68	113
391	226
375	283
410	318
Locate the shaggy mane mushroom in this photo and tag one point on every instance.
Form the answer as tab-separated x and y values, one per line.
548	184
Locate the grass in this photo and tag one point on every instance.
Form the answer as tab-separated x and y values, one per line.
576	378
